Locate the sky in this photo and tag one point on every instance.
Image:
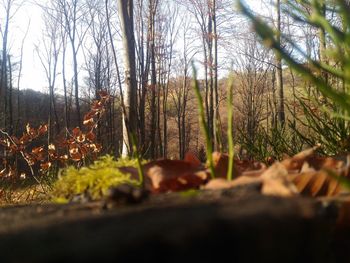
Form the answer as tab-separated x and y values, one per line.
33	76
28	18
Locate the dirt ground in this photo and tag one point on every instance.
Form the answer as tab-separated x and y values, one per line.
205	226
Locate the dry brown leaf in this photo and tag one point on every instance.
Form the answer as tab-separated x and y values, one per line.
297	161
240	167
306	160
306	168
319	163
277	182
316	184
192	158
171	175
182	182
277	188
221	183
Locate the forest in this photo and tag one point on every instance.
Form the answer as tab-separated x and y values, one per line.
150	102
119	70
142	58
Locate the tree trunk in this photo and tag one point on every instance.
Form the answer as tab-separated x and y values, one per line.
130	98
154	109
214	39
76	83
279	70
10	106
3	76
322	39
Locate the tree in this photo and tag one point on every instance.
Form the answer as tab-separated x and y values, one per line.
48	54
279	70
10	9
253	63
205	14
153	7
70	13
130	97
181	93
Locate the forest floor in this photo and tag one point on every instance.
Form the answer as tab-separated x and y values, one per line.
206	225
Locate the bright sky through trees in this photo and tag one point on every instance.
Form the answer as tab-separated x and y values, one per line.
33	76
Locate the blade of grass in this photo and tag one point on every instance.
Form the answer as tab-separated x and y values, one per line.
209	150
266	33
139	165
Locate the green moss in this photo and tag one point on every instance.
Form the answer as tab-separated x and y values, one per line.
189	193
93	181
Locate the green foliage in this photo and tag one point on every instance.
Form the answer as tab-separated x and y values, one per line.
337	62
138	160
327	124
274	143
323	129
93	181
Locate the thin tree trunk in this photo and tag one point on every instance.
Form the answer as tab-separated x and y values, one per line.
3	76
76	84
215	78
66	111
127	26
322	39
154	110
279	70
10	105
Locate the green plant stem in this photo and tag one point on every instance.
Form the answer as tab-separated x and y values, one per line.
139	165
231	152
203	123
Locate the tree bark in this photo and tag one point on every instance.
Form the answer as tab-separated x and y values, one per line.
130	98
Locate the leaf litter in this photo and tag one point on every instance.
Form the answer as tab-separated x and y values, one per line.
305	174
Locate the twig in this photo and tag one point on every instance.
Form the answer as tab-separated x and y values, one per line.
25	158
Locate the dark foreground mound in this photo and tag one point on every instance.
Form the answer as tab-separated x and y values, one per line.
206	227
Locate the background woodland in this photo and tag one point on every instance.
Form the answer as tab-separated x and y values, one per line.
131	60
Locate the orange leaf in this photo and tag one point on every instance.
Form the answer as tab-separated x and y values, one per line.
316	184
45	166
90	136
42	129
277	182
240	167
76	132
191	158
182	183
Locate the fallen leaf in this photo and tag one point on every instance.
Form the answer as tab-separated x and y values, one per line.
182	182
171	175
297	161
240	167
307	160
277	182
221	183
192	158
316	184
